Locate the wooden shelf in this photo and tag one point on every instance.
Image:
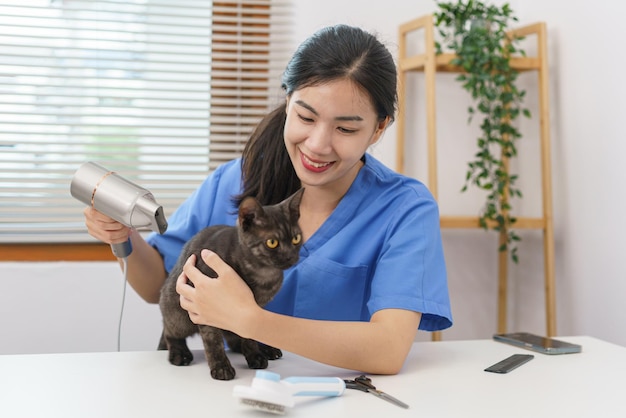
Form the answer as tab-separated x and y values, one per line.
431	64
473	222
442	63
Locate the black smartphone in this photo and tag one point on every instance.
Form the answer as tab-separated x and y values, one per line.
510	363
538	343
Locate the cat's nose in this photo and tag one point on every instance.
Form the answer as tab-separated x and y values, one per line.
288	262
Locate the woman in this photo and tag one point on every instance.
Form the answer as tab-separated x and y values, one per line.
371	270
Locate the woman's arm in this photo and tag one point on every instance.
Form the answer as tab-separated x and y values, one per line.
379	346
146	272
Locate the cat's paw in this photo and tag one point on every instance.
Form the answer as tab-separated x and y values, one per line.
270	352
180	357
223	372
257	360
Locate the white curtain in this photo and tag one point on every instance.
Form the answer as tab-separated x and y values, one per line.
160	91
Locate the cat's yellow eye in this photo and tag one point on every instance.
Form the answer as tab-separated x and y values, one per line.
271	243
296	240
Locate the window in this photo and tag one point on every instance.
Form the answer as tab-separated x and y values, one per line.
161	91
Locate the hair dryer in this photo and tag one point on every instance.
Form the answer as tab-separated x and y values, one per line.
118	198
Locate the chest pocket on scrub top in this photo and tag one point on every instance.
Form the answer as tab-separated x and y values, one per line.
332	291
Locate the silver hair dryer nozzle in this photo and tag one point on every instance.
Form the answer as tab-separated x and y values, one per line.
118	198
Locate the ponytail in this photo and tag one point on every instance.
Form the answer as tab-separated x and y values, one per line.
266	168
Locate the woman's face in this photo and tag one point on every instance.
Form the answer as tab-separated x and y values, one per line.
328	129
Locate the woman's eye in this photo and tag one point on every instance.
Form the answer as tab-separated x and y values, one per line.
346	130
296	240
271	243
305	119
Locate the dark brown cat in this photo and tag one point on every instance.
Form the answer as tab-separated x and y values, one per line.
266	241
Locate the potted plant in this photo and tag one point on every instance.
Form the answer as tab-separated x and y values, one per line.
477	34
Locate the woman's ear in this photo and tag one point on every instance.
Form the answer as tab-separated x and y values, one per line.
380	128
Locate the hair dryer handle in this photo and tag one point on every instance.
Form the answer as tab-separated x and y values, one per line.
122	250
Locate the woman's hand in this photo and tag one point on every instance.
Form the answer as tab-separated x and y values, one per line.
226	302
104	228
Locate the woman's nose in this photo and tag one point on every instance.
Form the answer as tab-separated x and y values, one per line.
320	139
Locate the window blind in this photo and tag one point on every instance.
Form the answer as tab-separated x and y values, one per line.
160	91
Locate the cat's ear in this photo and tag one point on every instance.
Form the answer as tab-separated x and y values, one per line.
249	211
294	203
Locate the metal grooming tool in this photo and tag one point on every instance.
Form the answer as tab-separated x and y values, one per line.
364	384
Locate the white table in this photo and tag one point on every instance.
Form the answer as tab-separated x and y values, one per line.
440	379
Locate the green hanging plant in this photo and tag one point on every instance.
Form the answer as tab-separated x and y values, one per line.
476	34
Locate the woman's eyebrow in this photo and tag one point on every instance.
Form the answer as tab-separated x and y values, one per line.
343	118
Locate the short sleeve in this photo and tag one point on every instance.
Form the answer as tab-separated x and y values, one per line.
210	204
411	272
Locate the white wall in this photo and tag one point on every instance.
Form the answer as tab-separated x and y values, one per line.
586	103
55	307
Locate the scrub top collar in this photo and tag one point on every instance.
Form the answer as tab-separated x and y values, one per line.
343	213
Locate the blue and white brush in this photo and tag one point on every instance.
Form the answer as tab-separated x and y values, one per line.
271	394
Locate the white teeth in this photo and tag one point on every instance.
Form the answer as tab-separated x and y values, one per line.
314	164
318	165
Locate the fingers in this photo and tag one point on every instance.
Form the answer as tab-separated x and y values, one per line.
104	228
215	262
185	290
190	300
183	286
192	274
95	217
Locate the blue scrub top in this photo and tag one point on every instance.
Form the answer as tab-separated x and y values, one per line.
380	248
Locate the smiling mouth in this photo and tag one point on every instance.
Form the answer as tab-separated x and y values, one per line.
317	166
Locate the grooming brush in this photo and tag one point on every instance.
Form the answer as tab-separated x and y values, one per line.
271	394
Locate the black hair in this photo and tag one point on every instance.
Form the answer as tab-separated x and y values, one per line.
333	53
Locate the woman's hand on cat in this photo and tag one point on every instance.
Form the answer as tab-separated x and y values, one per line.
224	302
104	228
